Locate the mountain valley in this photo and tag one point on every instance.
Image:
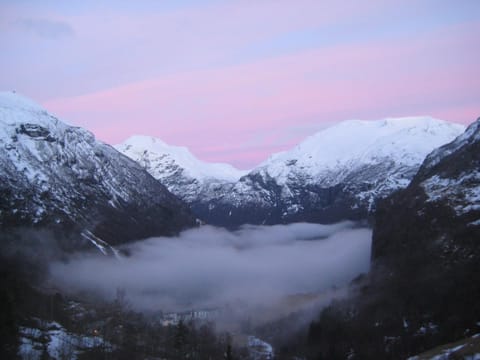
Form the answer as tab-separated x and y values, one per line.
358	243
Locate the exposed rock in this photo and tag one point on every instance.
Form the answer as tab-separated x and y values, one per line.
59	177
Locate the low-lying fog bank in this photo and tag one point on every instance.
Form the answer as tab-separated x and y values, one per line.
212	267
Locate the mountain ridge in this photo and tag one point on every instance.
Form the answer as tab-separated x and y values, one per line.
60	177
334	174
197	168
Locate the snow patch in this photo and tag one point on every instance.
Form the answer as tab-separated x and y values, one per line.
104	247
259	349
13	100
461	193
52	338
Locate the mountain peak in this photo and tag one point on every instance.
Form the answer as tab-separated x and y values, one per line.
59	177
13	100
363	141
18	113
163	160
145	141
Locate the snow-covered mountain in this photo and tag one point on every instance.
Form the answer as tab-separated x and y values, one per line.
441	205
177	168
424	282
59	176
337	173
330	156
456	184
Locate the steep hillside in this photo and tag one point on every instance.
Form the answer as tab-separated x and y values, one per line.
59	177
441	206
423	288
178	169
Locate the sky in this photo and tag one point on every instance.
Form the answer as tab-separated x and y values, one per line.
236	81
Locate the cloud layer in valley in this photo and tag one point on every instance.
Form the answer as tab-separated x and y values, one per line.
209	267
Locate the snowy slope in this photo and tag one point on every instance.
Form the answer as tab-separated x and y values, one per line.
441	205
176	167
55	174
338	172
163	160
330	155
456	184
424	262
385	153
52	338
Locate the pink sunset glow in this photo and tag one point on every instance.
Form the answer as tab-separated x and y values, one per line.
237	88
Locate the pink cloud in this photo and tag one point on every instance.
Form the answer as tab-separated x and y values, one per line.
250	107
116	44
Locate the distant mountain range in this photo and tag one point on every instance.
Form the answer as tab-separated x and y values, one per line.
59	177
335	174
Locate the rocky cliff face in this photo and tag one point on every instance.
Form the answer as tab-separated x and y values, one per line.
59	177
438	215
424	285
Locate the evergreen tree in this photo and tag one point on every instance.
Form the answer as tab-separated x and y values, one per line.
180	340
8	326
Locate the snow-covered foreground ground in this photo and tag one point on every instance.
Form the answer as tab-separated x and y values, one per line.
467	349
49	337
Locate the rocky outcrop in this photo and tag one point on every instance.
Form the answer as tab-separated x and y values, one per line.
437	217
